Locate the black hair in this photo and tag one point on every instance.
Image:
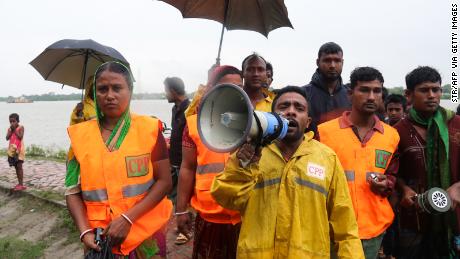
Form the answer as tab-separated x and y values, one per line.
396	98
364	74
458	109
269	67
176	84
227	70
420	75
250	57
290	89
329	48
116	67
14	116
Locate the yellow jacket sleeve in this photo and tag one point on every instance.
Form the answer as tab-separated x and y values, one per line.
342	221
233	187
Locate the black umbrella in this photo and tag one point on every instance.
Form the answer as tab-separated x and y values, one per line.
261	16
71	62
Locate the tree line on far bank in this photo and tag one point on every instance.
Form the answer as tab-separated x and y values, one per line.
161	96
400	90
76	97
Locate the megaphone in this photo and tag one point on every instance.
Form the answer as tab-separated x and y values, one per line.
434	201
226	120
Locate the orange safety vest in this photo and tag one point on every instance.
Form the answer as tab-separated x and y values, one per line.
209	164
373	212
113	182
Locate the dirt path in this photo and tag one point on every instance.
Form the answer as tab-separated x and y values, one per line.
32	229
32	222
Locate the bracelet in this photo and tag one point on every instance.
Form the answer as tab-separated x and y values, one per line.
126	217
181	213
84	233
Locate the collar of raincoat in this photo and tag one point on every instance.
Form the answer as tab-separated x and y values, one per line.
303	148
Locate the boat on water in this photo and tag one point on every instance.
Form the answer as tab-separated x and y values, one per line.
21	99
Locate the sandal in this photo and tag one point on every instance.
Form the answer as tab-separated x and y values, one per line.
19	187
182	239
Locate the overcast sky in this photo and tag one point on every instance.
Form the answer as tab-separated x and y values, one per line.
394	36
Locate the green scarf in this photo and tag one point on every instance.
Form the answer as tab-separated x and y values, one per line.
437	146
122	127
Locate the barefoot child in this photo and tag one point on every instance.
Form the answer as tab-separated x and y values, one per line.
16	150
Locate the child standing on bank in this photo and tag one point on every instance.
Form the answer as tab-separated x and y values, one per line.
16	150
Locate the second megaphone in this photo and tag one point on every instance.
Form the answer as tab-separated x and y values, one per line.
226	120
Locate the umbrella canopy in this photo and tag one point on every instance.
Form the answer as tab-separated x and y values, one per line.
261	16
71	62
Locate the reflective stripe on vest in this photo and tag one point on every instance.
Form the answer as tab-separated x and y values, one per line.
128	191
210	168
95	195
350	175
136	189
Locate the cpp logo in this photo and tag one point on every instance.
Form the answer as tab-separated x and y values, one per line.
316	171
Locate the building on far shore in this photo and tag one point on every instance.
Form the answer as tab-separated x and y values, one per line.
21	99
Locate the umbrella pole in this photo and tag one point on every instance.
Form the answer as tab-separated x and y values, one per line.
222	32
220	45
83	76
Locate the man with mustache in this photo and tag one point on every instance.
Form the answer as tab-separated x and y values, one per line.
292	197
429	156
326	93
365	147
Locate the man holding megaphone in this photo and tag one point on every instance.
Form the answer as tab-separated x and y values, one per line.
293	195
216	228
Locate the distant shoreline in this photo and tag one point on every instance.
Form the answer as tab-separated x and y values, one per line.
77	97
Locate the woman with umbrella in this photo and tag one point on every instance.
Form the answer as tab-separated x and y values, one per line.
118	174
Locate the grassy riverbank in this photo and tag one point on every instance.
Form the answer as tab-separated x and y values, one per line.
32	228
39	152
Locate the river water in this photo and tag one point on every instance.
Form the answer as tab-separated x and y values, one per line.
45	123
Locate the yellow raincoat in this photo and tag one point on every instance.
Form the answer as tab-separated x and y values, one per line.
89	108
291	209
265	104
